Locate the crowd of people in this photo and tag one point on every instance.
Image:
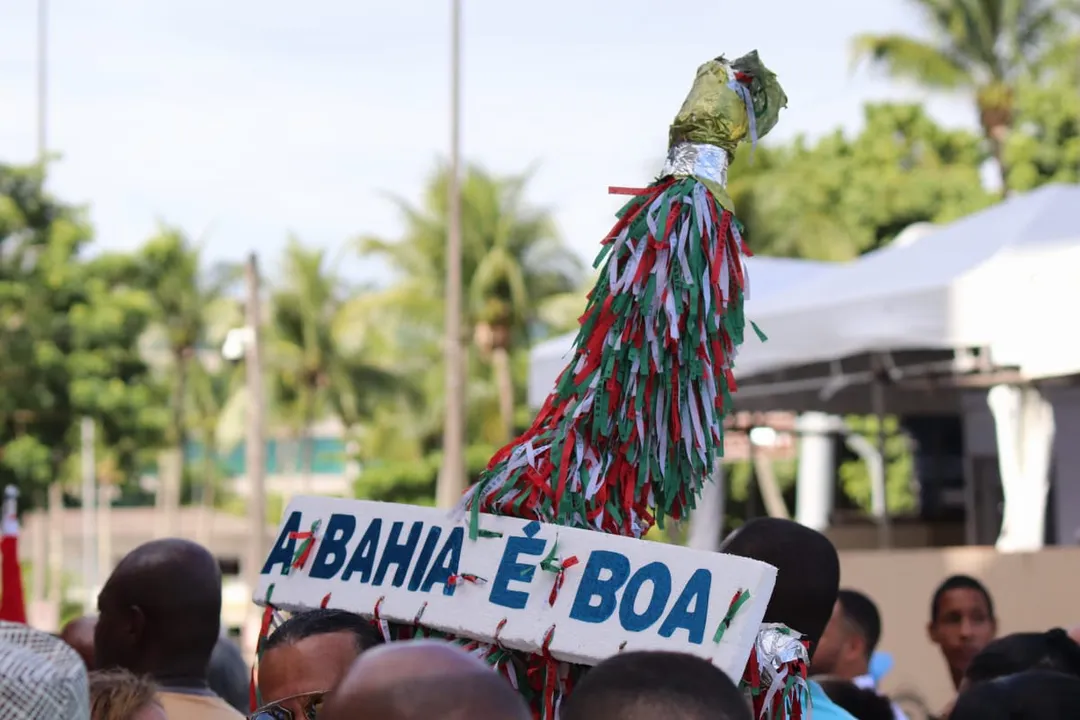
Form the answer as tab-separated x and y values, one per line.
155	652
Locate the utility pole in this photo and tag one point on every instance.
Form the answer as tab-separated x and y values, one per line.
255	444
42	79
46	531
89	491
452	480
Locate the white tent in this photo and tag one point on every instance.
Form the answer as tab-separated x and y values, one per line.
999	279
767	277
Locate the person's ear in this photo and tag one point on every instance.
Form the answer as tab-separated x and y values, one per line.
136	623
931	632
856	645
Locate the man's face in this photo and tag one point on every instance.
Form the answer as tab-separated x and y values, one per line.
962	627
829	647
295	675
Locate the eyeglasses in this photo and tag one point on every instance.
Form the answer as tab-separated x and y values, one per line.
310	704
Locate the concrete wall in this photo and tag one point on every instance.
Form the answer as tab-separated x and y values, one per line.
1034	591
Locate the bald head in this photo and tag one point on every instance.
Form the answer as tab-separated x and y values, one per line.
79	634
160	610
421	680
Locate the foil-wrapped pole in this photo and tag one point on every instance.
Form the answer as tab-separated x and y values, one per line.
705	162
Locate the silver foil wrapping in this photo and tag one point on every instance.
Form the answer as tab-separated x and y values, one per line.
707	162
776	647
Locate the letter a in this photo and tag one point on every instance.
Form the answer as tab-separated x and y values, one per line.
681	616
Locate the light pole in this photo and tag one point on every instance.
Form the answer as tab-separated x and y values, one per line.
452	478
247	344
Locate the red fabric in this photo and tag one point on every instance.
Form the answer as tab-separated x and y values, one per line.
12	601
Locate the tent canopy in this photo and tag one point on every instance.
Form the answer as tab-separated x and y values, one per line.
997	279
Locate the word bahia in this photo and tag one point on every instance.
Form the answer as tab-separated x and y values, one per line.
585	595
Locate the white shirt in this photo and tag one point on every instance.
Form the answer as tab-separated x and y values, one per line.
866	682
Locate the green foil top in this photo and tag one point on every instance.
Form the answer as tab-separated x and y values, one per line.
715	114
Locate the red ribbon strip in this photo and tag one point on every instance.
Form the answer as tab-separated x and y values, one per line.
560	578
465	577
308	538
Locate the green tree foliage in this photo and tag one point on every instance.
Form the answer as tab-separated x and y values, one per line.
900	494
321	365
512	261
413	481
168	268
985	48
1045	144
845	195
69	330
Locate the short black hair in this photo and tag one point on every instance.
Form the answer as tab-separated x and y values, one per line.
863	704
959	582
808	572
1051	650
648	685
862	613
1031	695
324	621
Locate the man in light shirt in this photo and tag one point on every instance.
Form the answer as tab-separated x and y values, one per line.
160	615
849	642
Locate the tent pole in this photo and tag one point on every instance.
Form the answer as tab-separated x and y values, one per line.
878	401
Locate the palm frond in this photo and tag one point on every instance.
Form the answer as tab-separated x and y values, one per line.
911	59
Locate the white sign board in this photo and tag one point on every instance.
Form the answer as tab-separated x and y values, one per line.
587	595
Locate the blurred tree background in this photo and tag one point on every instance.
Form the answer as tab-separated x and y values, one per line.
131	340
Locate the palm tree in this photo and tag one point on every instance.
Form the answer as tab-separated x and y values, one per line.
980	47
169	270
512	260
322	366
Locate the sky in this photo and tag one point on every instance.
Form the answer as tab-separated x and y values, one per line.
244	121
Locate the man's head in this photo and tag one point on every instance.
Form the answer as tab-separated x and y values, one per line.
160	611
1050	650
422	680
1029	695
79	634
308	655
808	572
962	621
648	685
850	638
